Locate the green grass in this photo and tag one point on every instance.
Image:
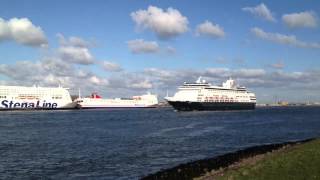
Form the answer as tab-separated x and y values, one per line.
298	162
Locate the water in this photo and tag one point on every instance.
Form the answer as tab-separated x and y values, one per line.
128	144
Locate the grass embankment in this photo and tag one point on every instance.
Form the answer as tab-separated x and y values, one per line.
301	161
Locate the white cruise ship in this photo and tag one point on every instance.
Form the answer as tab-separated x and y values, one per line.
96	101
204	96
23	98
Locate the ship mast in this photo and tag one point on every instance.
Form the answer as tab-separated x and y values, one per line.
79	95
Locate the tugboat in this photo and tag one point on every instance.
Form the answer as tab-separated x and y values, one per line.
202	96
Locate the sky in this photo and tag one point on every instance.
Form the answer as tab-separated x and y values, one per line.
124	48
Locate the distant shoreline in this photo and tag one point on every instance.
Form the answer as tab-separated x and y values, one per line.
201	167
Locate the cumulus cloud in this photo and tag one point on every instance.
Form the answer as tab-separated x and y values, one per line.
283	39
209	29
170	50
253	78
73	41
164	23
130	83
140	46
303	19
221	60
239	73
218	72
42	72
160	73
77	55
141	85
97	81
110	66
23	32
248	73
45	73
239	61
51	72
261	11
278	65
75	50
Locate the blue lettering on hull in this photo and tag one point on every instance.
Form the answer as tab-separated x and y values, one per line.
28	105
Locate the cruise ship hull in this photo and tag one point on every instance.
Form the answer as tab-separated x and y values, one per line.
210	106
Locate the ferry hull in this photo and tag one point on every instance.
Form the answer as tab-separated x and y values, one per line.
113	107
36	109
96	102
34	98
210	106
67	106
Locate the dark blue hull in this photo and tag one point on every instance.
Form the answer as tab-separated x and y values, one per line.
210	106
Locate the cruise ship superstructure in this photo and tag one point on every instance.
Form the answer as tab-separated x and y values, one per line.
96	101
22	98
204	96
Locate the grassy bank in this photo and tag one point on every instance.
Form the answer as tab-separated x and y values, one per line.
300	161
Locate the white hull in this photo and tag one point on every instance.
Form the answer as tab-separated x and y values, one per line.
34	98
144	101
114	106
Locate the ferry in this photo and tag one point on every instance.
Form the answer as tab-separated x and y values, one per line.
95	101
34	98
201	95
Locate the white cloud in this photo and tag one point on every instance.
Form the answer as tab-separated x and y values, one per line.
51	72
73	41
170	50
159	73
283	39
278	65
221	60
220	72
75	50
209	29
95	80
165	24
140	46
42	72
238	73
261	11
302	19
110	66
249	73
77	55
133	83
255	79
141	85
23	32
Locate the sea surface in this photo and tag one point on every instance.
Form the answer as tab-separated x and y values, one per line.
132	143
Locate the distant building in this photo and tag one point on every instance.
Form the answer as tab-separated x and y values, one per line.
283	103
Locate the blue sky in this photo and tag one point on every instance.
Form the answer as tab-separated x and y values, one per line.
272	47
